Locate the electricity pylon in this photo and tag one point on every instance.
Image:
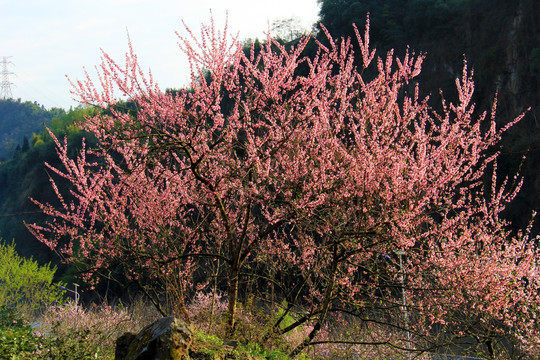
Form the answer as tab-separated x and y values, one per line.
5	85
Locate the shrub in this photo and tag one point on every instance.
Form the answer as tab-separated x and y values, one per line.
70	329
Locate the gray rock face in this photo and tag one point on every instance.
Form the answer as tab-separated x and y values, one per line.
166	339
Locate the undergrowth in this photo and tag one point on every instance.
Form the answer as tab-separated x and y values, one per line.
71	331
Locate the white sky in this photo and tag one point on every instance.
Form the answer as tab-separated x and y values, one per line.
49	39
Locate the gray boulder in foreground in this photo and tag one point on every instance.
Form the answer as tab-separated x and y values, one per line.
168	338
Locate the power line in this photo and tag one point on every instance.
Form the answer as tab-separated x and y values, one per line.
21	213
5	85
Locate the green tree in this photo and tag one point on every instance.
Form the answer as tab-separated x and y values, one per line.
26	144
26	285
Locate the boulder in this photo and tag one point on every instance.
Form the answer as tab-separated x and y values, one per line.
166	339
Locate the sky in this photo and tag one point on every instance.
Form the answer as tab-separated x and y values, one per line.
48	40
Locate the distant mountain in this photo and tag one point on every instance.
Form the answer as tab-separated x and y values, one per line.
19	120
24	174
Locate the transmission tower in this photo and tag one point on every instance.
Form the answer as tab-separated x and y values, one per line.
5	85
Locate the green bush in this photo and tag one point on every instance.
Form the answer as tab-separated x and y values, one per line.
25	285
20	341
79	344
255	350
17	338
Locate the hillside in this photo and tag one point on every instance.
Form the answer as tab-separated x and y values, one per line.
25	176
500	40
19	119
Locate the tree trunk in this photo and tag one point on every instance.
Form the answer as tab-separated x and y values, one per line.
233	298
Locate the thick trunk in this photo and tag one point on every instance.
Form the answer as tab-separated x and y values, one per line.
233	298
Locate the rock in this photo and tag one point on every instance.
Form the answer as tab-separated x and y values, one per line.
122	345
166	339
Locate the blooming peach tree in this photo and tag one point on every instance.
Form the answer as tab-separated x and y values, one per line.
334	181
